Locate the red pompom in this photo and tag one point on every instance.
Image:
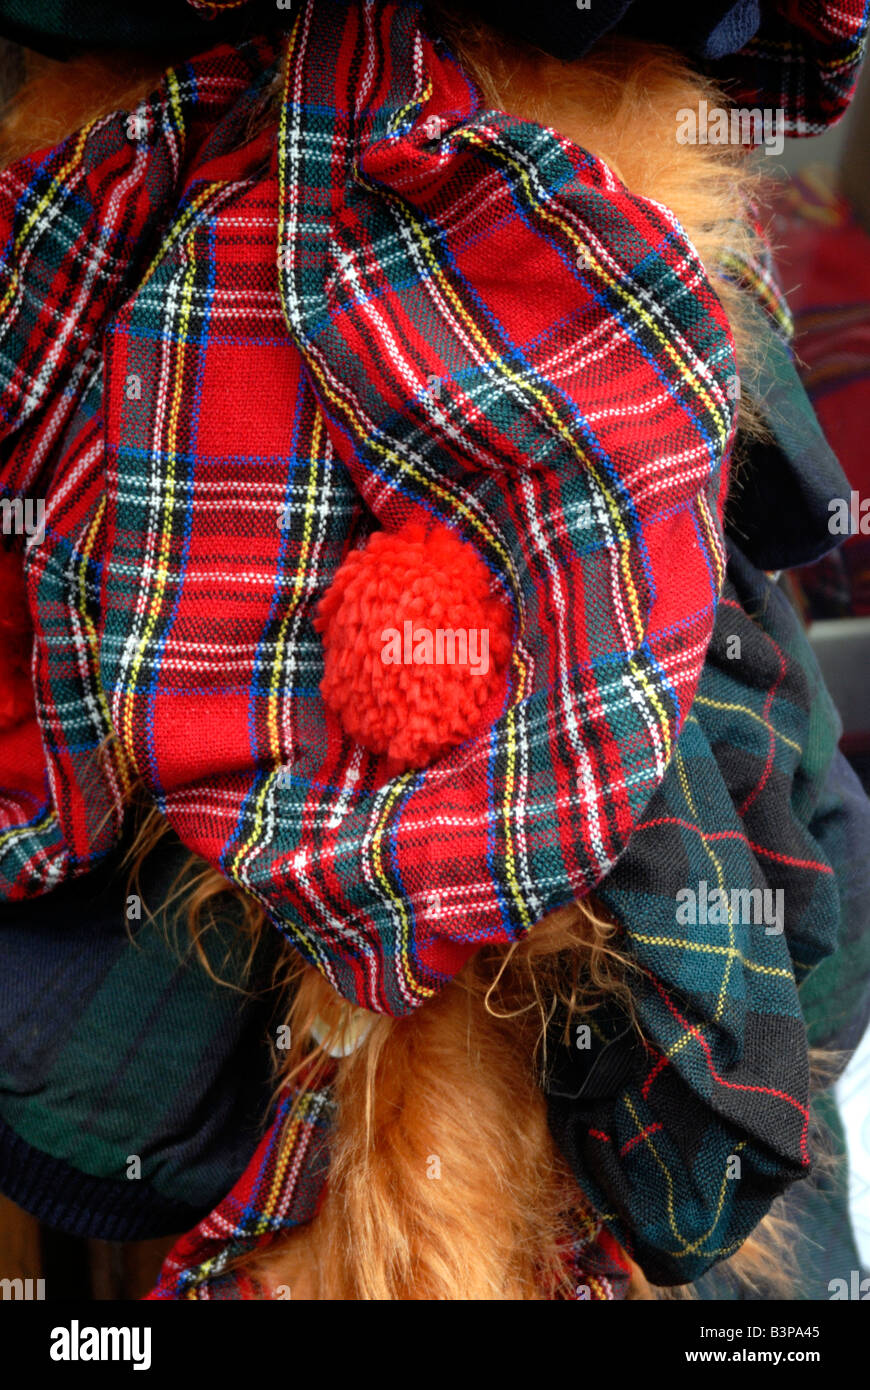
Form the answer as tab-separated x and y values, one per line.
16	643
415	643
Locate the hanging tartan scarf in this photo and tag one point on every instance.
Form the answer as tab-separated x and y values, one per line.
281	1189
229	363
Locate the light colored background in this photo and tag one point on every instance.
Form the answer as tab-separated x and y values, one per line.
853	1091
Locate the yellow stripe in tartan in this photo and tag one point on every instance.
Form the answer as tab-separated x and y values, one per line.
680	765
714	543
161	567
424	244
47	199
695	1245
28	830
452	502
613	507
115	749
509	857
175	100
182	225
704	949
750	714
687	1247
299	1116
398	787
731	951
669	1182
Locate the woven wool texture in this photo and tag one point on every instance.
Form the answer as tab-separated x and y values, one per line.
222	467
653	1131
216	363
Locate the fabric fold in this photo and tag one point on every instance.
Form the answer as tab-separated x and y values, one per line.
726	899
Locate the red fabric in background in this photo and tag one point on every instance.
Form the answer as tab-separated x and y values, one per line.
823	259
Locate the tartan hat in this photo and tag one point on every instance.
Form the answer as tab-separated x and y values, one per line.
248	398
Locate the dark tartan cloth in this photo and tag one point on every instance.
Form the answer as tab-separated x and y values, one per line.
63	28
653	1129
801	59
216	353
798	59
114	1041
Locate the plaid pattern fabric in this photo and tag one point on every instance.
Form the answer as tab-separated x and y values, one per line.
226	360
577	440
79	226
281	1189
803	61
799	58
114	1041
658	1133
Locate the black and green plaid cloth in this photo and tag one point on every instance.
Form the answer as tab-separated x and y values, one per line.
115	1045
743	874
63	28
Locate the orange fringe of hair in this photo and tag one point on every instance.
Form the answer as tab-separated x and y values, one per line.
58	98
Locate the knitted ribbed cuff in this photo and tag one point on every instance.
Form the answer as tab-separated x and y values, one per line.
81	1205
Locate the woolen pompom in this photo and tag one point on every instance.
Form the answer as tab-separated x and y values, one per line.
415	643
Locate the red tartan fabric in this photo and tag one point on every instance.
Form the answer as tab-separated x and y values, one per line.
261	400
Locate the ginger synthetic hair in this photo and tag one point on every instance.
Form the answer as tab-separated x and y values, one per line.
444	1180
58	98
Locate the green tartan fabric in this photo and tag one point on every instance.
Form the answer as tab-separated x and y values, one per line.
823	1246
653	1129
115	1043
62	28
